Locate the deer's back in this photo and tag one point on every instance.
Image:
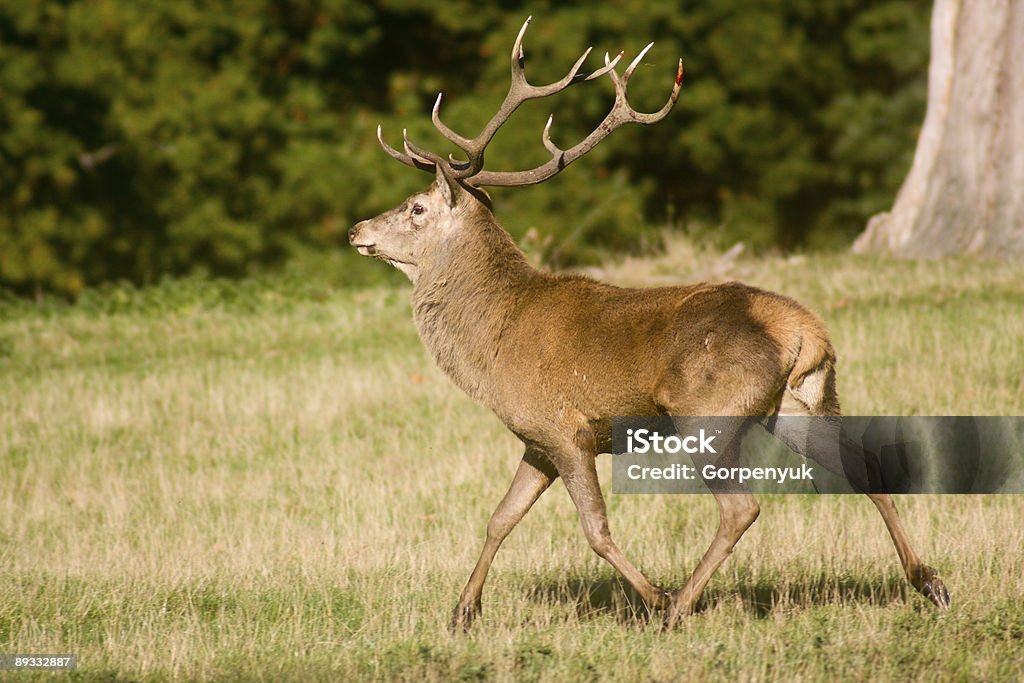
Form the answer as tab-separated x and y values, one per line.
580	349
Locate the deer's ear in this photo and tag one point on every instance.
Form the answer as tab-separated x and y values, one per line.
447	186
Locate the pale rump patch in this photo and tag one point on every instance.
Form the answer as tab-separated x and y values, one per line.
811	390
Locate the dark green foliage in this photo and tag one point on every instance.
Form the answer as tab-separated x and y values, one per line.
144	139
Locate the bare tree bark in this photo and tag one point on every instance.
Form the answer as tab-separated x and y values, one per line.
965	191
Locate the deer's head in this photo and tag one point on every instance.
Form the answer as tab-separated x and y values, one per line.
426	225
424	228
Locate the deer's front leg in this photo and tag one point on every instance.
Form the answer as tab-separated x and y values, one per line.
533	477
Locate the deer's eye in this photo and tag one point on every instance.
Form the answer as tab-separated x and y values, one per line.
418	209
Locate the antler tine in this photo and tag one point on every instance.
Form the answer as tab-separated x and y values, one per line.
632	65
574	72
457	164
454	137
406	159
518	56
417	152
608	66
546	138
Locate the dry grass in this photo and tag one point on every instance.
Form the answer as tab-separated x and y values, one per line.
280	485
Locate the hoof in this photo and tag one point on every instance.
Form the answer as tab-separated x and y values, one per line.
463	617
928	584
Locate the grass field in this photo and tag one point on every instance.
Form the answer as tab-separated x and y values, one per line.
270	480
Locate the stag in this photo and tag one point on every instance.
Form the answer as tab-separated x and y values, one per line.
555	357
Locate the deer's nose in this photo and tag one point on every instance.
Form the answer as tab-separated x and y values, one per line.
352	232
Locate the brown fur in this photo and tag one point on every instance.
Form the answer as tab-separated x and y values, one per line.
557	357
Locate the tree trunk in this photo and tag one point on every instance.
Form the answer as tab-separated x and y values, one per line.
965	191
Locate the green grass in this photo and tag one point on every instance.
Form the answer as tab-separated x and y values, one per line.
270	480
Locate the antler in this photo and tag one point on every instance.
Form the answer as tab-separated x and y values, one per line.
520	91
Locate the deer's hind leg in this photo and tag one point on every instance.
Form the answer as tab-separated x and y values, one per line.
576	466
826	442
737	511
731	413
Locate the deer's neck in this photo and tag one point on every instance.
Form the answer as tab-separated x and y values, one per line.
464	304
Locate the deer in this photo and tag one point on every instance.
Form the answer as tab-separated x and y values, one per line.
556	356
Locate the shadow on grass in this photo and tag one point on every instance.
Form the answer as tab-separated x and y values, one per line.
610	595
600	596
763	597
